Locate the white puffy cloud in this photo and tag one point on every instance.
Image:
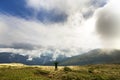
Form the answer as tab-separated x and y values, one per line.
57	36
72	37
63	5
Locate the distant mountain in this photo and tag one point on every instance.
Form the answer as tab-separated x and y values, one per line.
6	57
93	57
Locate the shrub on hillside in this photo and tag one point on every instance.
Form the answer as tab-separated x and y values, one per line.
41	72
67	69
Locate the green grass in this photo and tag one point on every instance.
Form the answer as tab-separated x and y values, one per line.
88	72
26	73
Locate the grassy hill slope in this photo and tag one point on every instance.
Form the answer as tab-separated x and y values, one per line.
88	72
93	57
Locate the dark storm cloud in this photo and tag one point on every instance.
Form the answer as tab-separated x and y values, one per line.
107	24
25	46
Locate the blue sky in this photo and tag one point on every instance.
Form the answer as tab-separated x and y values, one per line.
15	8
19	9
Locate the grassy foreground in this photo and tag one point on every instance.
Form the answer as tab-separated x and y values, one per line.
89	72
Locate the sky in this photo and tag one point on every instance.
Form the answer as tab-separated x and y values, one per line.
67	27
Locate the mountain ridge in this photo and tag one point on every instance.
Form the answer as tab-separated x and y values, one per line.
96	56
